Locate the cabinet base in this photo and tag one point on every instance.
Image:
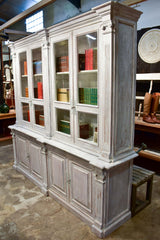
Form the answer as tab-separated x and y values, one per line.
99	197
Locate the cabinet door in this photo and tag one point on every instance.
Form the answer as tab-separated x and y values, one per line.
35	160
37	87
23	74
34	94
22	153
58	174
62	87
86	86
80	186
23	86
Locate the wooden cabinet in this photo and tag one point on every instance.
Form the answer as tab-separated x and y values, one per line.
145	132
79	84
6	119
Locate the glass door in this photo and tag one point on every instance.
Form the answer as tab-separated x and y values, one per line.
24	86
87	69
37	73
62	71
37	85
87	93
62	87
24	75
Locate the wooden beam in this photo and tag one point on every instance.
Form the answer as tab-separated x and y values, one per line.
76	3
2	20
132	2
11	31
25	13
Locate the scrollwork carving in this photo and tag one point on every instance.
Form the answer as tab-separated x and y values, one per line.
100	175
108	27
44	149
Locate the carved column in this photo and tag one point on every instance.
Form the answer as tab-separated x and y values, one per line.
100	202
44	153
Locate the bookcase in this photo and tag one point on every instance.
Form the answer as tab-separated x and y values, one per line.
75	118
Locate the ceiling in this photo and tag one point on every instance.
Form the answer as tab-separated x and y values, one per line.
11	8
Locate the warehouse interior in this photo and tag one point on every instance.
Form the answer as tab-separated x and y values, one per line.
29	207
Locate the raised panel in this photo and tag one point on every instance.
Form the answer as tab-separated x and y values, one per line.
80	186
124	88
22	154
119	191
57	172
35	159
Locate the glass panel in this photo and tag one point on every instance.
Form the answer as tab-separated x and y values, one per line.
87	66
62	71
37	73
63	121
24	75
39	115
26	112
88	126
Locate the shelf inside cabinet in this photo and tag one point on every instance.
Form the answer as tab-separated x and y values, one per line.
38	75
147	76
24	76
88	71
62	73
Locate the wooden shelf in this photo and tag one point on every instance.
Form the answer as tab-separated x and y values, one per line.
140	125
7	115
146	127
5	138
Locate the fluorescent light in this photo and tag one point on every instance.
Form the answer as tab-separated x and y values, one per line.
91	37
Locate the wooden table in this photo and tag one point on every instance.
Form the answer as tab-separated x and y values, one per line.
6	119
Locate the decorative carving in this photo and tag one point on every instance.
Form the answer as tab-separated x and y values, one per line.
13	134
100	175
44	149
108	27
45	44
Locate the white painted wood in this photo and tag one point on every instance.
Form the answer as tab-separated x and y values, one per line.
147	76
57	174
35	160
22	153
80	186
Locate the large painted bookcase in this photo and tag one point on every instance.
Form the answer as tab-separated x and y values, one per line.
75	97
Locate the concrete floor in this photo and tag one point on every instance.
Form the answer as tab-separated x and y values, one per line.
26	214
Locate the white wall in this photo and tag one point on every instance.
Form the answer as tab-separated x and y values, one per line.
151	14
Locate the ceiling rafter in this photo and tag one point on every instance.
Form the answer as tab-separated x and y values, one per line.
25	13
76	3
132	2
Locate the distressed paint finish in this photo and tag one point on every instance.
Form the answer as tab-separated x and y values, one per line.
92	180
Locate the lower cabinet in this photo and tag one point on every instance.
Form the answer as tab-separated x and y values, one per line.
57	175
98	194
22	153
30	158
80	186
70	180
